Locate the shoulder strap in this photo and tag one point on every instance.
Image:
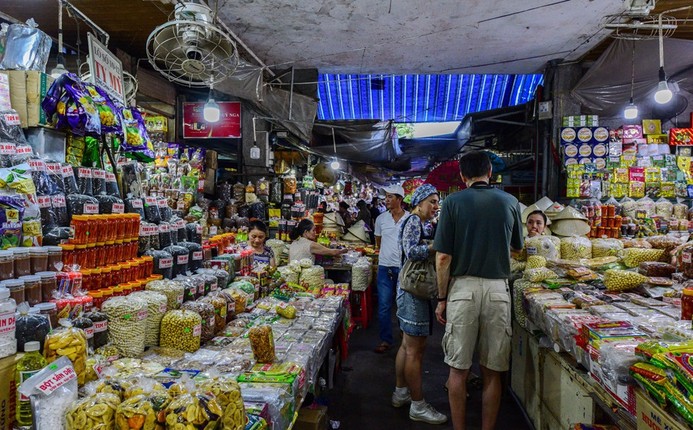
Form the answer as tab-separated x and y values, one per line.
401	233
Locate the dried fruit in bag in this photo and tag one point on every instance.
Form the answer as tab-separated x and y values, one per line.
69	106
136	144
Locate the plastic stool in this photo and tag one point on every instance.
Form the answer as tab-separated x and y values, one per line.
362	303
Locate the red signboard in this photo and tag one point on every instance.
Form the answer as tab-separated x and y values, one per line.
228	126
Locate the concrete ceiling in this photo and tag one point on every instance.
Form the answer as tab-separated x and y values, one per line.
418	36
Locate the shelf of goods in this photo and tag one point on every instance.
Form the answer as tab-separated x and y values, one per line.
604	339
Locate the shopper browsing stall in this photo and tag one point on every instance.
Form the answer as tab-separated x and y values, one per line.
257	236
304	244
414	313
387	227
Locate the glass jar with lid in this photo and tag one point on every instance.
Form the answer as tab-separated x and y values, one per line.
49	284
55	256
39	259
22	261
32	289
6	265
16	287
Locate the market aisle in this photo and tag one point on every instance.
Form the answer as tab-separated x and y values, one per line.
361	397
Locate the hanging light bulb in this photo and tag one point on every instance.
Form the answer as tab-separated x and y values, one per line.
663	94
211	111
59	69
631	111
334	164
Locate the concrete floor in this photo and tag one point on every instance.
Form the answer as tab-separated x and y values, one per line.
361	396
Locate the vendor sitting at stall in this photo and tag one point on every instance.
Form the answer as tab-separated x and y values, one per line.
304	244
256	239
536	223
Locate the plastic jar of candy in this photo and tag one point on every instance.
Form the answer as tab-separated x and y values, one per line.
6	265
80	229
22	261
32	289
39	259
687	304
49	284
16	288
55	256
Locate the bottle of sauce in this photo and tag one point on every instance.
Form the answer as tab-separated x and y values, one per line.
687	304
27	366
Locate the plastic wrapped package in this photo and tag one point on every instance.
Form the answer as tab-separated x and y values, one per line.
100	326
262	343
11	131
210	281
548	247
143	408
575	248
666	243
164	209
646	205
80	204
49	405
127	324
157	305
632	257
26	48
180	257
88	326
656	269
92	412
620	280
539	274
110	204
134	205
664	208
278	397
85	180
30	327
194	230
98	181
535	262
228	395
606	247
680	211
181	329
685	260
151	210
68	342
314	276
220	309
194	410
163	263
173	290
206	312
54	178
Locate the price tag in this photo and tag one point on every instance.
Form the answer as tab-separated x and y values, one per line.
37	165
99	174
531	250
91	208
55	168
58	201
163	203
162	308
197	330
8	149
110	177
198	229
57	378
137	204
67	171
150	201
164	228
118	208
24	150
100	326
84	172
165	263
182	259
214	286
686	257
142	315
197	255
179	299
12	119
44	201
89	331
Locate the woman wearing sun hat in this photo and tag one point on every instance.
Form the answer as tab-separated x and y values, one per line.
415	315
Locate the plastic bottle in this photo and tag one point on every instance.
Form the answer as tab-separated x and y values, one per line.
27	366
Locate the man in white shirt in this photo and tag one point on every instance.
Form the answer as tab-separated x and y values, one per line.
387	227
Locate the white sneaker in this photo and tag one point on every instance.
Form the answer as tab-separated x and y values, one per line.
427	414
399	400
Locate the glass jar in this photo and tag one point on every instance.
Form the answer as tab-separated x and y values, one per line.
55	256
6	265
49	284
16	288
39	259
50	310
32	289
22	261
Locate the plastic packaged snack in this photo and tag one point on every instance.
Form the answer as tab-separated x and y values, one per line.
157	305
539	274
110	204
127	324
544	246
228	395
575	248
181	329
92	412
194	410
262	343
139	409
656	269
173	290
134	205
30	327
68	342
100	325
81	204
632	257
666	243
621	280
88	326
163	263
606	247
195	255
50	404
206	312
220	310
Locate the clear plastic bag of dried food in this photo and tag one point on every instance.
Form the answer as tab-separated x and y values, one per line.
164	234
110	204
163	263
85	181
56	236
11	128
49	405
164	210
80	204
69	180
194	253
206	312
194	230
157	305
126	324
112	185
98	181
262	343
151	210
134	205
178	225
180	259
23	152
30	327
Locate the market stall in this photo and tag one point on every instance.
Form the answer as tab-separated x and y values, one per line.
132	299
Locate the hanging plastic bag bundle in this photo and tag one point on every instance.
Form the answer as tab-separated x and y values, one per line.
69	106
